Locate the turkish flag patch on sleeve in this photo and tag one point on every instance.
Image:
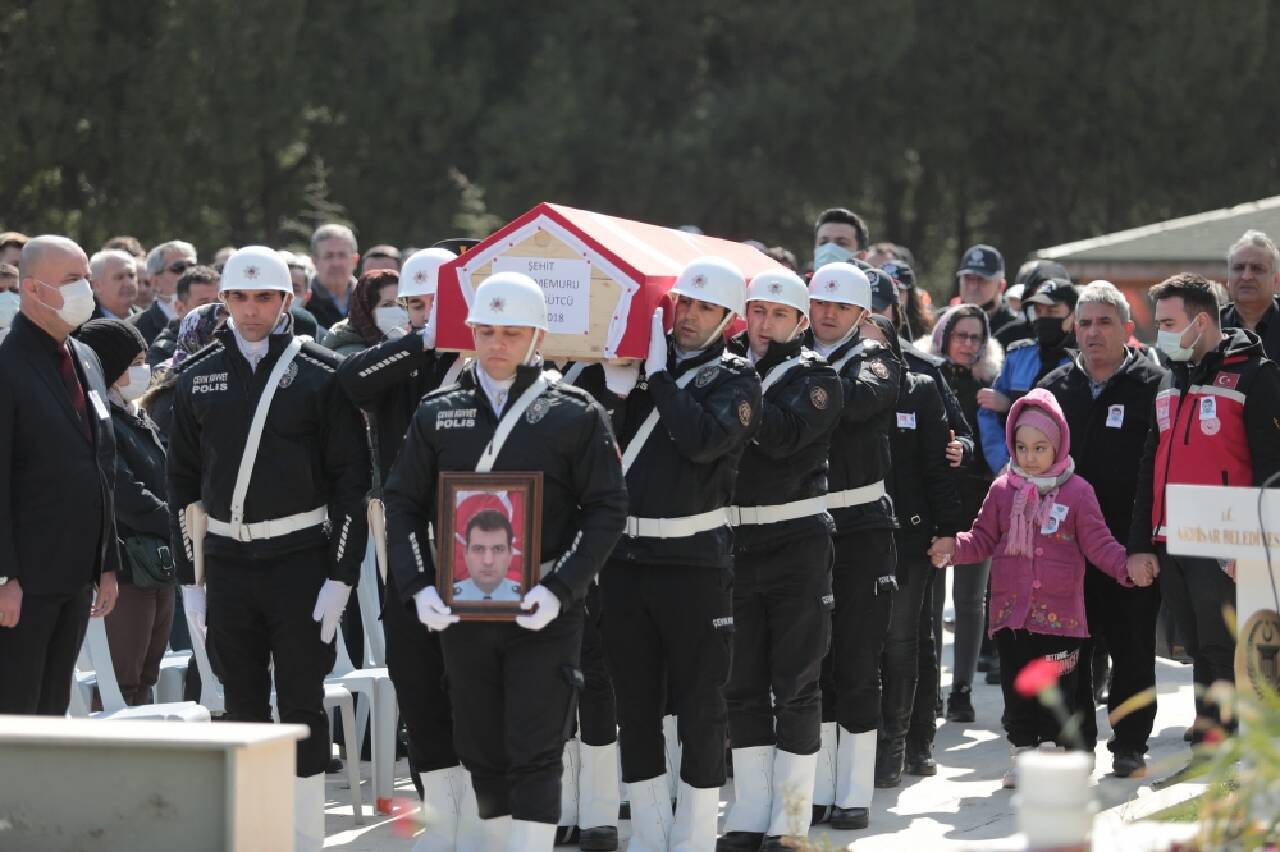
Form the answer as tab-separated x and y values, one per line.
1227	380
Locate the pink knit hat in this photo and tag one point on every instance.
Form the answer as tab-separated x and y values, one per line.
1037	419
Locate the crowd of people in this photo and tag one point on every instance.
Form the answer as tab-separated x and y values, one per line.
740	536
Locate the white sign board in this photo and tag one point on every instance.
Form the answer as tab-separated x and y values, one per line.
1221	523
566	286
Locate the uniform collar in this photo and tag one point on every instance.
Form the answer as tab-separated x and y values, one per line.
712	352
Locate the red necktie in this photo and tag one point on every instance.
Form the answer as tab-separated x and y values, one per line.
72	383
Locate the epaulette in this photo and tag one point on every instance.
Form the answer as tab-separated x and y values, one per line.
575	392
323	364
737	363
200	355
320	353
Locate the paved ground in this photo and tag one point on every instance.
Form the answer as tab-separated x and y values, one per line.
962	807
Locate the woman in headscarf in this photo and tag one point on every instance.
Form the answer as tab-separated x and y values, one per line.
374	315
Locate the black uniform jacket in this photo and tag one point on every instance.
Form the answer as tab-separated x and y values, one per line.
150	322
787	460
689	464
1268	328
860	446
57	519
564	434
312	453
1109	433
140	479
924	487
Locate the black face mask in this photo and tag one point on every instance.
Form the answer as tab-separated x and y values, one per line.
1049	332
988	307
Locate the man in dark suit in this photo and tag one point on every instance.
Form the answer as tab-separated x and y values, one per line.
165	265
57	476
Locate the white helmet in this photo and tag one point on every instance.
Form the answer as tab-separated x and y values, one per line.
421	272
508	298
256	268
782	286
714	280
841	282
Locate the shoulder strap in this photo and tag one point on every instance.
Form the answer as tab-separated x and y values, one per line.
776	374
455	370
849	356
511	418
571	375
255	434
646	428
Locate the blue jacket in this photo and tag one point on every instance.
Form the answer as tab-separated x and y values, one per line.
1022	368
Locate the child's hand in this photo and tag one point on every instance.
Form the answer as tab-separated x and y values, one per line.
941	551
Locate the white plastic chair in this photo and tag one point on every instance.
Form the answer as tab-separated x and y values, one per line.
336	697
371	609
173	675
113	703
380	702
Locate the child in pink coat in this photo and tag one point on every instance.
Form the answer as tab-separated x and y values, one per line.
1038	525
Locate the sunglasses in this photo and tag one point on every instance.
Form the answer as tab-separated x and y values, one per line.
181	266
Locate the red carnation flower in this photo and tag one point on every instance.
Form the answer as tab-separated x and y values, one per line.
1038	675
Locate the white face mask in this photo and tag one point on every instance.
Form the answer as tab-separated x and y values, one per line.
139	381
391	321
77	302
9	306
1170	343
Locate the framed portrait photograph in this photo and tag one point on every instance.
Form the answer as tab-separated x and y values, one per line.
488	538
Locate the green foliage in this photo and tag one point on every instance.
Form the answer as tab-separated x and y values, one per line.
1241	807
1021	124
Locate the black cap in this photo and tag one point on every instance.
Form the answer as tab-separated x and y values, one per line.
1033	273
883	291
1058	291
901	272
982	260
458	245
116	344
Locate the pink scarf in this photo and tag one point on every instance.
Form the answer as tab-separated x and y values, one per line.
1032	504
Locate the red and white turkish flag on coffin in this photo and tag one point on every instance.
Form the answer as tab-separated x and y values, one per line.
602	277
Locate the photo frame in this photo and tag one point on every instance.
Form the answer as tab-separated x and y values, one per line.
488	542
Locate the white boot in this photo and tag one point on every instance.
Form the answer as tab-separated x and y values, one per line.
855	769
528	836
308	813
824	776
651	817
443	792
792	793
599	792
671	736
471	829
752	790
695	827
569	783
490	835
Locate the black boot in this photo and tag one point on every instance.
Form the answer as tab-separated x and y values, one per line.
740	841
960	705
993	671
889	754
919	760
821	814
566	835
602	838
850	819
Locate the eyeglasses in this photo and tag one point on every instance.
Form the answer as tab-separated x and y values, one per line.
180	266
961	337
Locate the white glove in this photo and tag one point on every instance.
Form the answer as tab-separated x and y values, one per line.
193	601
428	332
621	378
656	362
548	607
431	610
330	603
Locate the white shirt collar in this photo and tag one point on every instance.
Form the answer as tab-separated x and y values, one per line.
496	390
166	308
252	352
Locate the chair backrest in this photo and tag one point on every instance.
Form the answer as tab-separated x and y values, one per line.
99	650
368	594
210	687
342	662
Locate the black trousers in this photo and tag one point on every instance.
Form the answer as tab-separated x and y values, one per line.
597	710
782	606
416	666
901	666
1196	589
924	719
38	656
1026	721
669	624
859	626
514	694
259	612
1124	620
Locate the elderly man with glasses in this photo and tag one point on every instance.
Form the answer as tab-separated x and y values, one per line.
165	265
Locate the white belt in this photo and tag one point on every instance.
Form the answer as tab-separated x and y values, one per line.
676	527
273	528
740	516
856	496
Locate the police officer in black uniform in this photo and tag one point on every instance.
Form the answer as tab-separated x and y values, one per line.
926	501
513	687
667	588
388	381
865	556
782	572
286	528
